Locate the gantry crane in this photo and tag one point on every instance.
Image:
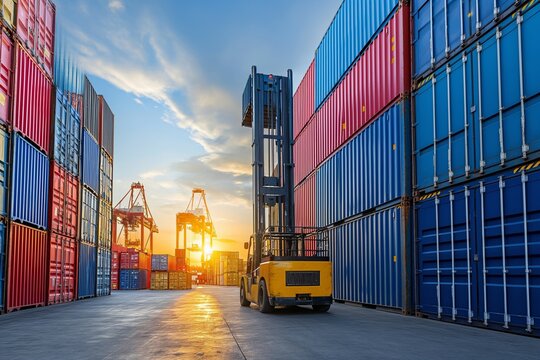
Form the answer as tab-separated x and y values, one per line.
199	221
133	214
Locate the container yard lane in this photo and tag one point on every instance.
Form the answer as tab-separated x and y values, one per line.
208	323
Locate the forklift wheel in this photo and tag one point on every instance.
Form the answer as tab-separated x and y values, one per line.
243	300
321	308
264	303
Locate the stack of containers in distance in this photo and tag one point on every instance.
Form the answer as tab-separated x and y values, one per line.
27	50
115	265
477	162
106	141
134	270
223	268
89	193
161	266
182	259
356	178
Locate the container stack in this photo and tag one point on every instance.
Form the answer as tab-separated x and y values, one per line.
161	265
115	265
182	259
477	162
222	269
135	267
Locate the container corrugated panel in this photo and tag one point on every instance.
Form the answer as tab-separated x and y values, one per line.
367	259
369	171
304	100
135	260
90	109
3	261
4	165
133	279
89	217
8	13
6	68
353	27
106	127
305	156
474	118
62	268
478	250
160	280
64	202
105	225
305	203
91	159
36	30
103	272
106	174
87	271
442	27
30	184
27	267
67	134
163	262
32	101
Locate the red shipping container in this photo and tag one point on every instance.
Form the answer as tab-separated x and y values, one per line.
6	51
133	259
62	265
115	267
36	29
64	201
27	267
379	78
304	100
32	101
304	203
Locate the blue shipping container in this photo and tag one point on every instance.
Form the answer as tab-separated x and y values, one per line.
3	263
160	262
369	171
91	157
103	272
4	163
87	271
30	185
477	114
106	175
89	217
441	27
133	279
368	259
478	250
356	23
67	135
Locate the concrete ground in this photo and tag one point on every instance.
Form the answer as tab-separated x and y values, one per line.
208	323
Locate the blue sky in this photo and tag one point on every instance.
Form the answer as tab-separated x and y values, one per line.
173	73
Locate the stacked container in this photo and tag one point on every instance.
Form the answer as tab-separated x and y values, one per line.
476	154
223	268
135	269
161	266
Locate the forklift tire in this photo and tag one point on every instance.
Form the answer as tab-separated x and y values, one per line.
243	299
264	303
321	308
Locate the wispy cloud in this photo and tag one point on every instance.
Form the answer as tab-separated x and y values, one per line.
151	175
138	101
116	5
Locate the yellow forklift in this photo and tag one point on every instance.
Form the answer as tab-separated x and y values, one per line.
287	265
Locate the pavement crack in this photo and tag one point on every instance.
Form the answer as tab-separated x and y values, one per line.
234	337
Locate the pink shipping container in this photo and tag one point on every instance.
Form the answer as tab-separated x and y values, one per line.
36	30
135	260
32	101
27	267
304	100
304	203
115	268
62	267
378	78
6	68
64	201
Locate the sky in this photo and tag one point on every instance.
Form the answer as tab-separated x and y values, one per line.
173	72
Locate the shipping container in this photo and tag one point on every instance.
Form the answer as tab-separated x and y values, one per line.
133	279
442	27
477	113
378	78
179	280
90	109
32	101
182	259
353	28
62	268
90	161
304	100
105	225
89	217
370	259
160	280
478	251
3	261
370	171
163	263
106	174
103	286
30	184
27	267
64	203
87	271
106	127
36	30
4	165
115	268
134	260
305	203
67	134
8	13
6	68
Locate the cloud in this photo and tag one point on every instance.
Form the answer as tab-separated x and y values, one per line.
115	5
151	174
138	101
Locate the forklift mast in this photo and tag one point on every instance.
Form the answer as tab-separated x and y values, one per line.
267	108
